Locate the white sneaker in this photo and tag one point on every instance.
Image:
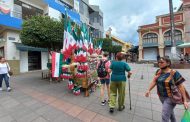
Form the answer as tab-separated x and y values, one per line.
8	89
1	89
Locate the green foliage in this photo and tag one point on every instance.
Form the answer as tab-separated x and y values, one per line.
108	47
44	32
116	48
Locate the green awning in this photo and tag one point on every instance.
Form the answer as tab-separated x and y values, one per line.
185	45
23	47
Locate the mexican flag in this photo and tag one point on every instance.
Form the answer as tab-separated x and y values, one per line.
69	43
90	46
57	61
85	36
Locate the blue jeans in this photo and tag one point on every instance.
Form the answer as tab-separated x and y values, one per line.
105	81
6	79
167	109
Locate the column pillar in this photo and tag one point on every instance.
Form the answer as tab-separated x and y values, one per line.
161	44
140	47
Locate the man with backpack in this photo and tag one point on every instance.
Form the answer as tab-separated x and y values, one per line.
104	76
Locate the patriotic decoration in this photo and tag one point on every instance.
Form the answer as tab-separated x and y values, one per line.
70	85
76	91
69	41
57	61
83	67
98	46
78	44
66	75
90	46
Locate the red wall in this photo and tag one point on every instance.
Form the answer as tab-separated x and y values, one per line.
177	18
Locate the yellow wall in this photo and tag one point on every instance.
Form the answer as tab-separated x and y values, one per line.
125	46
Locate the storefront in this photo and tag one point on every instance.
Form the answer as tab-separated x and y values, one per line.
32	58
150	53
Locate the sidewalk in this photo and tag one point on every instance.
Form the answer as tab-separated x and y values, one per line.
36	100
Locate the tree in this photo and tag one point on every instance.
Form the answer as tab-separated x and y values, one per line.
108	46
43	32
116	48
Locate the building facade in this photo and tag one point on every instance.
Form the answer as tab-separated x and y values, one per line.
155	39
116	41
13	12
93	17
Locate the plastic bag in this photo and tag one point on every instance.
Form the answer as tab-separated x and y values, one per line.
186	116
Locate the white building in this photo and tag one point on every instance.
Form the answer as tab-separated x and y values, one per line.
12	12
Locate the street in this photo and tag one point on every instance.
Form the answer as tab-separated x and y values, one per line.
35	100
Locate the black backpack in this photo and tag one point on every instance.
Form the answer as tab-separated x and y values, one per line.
101	71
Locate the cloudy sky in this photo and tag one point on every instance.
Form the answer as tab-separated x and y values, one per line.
124	16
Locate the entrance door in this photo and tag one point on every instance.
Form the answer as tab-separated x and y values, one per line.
168	52
34	60
150	53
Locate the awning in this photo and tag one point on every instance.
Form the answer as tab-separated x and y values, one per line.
23	47
185	45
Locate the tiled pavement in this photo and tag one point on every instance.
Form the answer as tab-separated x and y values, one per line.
37	100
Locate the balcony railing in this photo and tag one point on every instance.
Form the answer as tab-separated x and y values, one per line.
20	15
153	44
169	43
16	14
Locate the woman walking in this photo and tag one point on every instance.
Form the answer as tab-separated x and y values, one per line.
104	76
4	68
118	82
166	77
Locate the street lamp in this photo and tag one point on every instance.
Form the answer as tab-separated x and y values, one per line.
172	28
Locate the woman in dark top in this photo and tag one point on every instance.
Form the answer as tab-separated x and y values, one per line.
118	82
164	81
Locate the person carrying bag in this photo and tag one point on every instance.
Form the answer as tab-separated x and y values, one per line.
186	116
176	95
167	82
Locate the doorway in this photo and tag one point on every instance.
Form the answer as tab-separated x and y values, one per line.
34	60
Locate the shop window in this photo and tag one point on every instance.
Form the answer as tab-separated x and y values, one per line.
150	38
24	10
178	35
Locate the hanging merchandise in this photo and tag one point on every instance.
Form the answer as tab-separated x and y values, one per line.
80	56
66	75
57	61
98	46
76	91
90	46
70	84
83	67
69	40
80	74
77	46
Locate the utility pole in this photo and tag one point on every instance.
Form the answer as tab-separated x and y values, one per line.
172	28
